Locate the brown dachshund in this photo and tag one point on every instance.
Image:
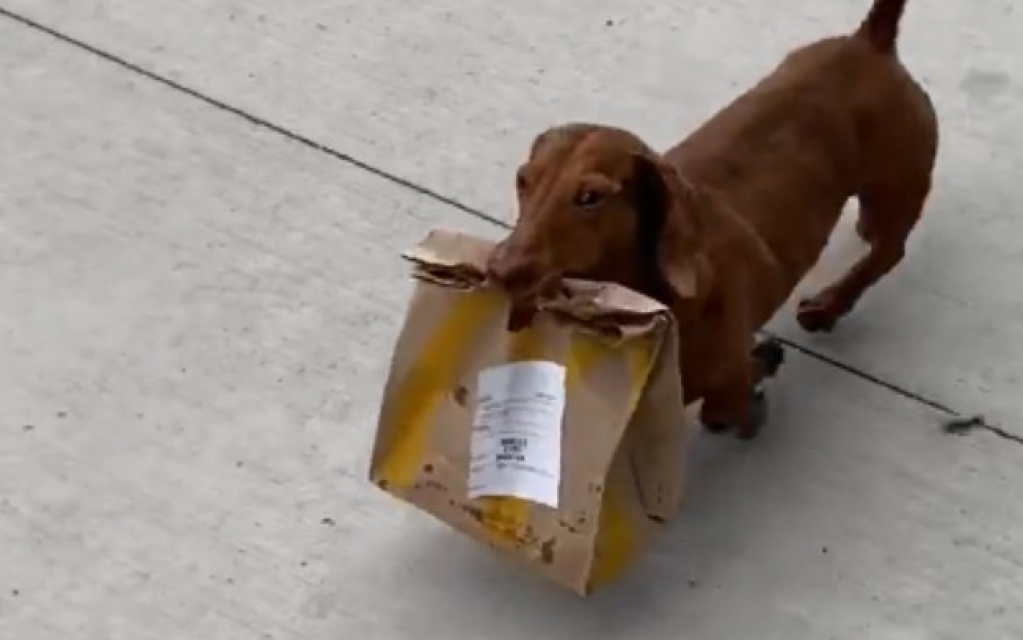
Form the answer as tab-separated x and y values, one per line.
722	227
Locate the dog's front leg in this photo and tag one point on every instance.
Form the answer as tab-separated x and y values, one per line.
737	401
731	367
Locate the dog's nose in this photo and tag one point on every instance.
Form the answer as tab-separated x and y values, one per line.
516	277
513	274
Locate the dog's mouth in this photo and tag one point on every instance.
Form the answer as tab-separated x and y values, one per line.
525	300
526	280
520	316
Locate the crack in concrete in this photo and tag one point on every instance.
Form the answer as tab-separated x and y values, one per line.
957	423
962	426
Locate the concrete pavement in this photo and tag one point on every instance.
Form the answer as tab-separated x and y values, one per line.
197	311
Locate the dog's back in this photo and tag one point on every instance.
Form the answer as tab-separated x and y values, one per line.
836	118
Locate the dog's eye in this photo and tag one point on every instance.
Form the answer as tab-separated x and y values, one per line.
588	198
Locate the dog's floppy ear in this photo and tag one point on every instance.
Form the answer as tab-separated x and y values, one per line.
670	227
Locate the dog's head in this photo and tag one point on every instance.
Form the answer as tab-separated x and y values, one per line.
597	203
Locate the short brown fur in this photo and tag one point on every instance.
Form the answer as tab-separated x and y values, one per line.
723	226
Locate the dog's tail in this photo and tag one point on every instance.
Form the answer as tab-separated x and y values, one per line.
881	26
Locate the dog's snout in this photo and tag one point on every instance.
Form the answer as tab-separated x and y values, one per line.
511	268
520	279
514	275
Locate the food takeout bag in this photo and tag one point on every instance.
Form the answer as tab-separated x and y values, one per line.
564	444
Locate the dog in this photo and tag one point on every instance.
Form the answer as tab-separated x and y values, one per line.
722	227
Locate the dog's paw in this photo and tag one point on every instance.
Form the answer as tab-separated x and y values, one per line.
771	354
746	428
758	416
819	313
715	427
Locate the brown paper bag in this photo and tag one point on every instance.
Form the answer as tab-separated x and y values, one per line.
564	444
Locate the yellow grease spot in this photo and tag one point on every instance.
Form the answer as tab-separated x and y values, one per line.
584	352
617	539
429	381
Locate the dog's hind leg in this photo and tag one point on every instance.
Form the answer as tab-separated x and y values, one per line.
887	216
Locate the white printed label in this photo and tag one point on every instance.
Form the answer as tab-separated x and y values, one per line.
516	435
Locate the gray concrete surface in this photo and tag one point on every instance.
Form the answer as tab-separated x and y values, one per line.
197	313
